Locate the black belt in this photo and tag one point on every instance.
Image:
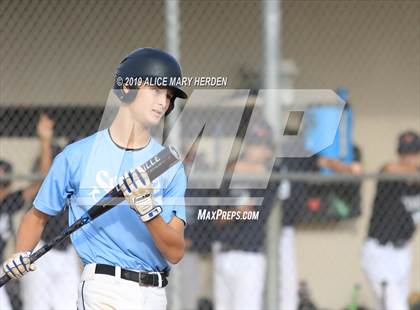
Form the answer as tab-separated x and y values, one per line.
143	278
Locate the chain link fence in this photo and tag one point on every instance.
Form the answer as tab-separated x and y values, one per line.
58	59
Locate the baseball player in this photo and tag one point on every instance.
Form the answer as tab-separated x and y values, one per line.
196	267
386	256
240	266
61	284
13	201
126	251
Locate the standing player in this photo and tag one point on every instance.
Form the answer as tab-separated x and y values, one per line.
125	253
13	201
240	266
60	283
386	256
196	267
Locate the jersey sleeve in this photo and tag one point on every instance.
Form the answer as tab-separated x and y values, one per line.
56	187
174	195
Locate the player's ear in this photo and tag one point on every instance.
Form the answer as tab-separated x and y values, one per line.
126	94
125	89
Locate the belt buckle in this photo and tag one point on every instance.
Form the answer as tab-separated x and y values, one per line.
160	282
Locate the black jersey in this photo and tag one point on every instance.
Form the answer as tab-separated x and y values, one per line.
10	204
249	235
201	233
396	205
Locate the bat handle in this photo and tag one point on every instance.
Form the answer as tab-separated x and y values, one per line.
4	279
35	256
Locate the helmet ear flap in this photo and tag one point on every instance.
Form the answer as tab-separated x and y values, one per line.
126	97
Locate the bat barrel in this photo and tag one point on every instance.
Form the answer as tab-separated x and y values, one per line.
161	162
154	167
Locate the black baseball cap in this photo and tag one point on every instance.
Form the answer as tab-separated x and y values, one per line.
408	143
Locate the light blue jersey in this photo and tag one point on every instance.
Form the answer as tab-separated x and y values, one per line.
84	172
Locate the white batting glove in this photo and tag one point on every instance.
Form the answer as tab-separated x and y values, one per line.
19	264
138	191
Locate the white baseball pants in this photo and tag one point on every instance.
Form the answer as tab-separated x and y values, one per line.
392	265
4	300
53	285
98	291
239	280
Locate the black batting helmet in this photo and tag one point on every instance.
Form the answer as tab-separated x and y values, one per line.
148	64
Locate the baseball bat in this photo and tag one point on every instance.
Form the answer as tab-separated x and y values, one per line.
154	167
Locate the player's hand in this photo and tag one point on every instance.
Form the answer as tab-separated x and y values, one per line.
19	264
356	168
45	127
138	191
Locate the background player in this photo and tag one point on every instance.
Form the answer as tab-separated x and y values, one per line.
13	201
387	251
125	253
61	283
196	266
240	266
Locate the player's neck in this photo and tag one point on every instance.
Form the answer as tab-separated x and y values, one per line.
408	163
127	133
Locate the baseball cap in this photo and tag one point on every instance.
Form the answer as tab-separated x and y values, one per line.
408	143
